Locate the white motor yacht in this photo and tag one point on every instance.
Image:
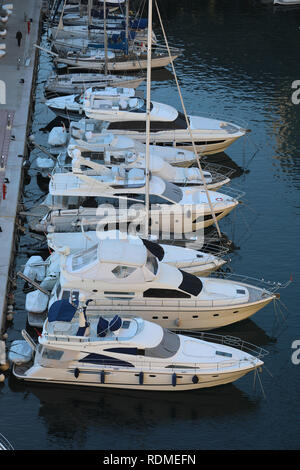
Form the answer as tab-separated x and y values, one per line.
117	196
158	167
47	272
119	275
167	125
72	106
127	352
87	135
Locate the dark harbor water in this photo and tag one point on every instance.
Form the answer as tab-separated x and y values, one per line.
239	62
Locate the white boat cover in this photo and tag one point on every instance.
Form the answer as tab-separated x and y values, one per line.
35	273
57	136
20	352
36	301
2	353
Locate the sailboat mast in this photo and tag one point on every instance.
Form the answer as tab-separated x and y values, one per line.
105	36
89	16
127	25
148	103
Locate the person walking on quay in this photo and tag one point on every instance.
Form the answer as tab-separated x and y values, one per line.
19	37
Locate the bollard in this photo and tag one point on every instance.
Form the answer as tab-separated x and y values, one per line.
8	123
4	367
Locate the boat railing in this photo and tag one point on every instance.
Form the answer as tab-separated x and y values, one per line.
227	340
268	286
233	192
218	172
167	305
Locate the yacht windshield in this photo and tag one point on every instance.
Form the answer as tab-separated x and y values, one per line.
190	283
172	192
151	263
168	346
84	258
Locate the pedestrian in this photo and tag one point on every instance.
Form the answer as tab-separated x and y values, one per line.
28	27
19	37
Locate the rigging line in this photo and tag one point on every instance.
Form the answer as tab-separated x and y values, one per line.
60	23
269	372
261	385
254	379
189	128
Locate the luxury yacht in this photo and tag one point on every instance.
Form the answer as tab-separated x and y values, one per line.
128	352
72	106
86	135
67	161
122	276
47	272
168	126
117	196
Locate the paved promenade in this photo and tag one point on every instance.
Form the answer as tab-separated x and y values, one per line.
16	71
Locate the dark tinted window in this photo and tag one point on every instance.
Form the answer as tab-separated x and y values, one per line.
166	293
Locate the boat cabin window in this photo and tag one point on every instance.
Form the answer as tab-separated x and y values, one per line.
123	271
172	192
166	293
151	263
119	295
101	359
84	258
66	295
58	289
190	283
139	106
154	248
52	354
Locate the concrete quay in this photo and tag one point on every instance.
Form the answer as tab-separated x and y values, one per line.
17	73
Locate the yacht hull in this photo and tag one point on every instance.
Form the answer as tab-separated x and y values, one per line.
181	139
118	66
171	314
128	379
56	87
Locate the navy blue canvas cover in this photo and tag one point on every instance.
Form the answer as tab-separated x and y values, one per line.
61	310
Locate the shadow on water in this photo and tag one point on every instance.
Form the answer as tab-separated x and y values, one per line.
83	408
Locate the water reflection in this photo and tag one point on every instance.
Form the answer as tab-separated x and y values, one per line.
69	413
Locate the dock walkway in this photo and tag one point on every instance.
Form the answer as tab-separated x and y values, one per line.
17	69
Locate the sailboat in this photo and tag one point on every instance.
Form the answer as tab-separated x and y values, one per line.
67	84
